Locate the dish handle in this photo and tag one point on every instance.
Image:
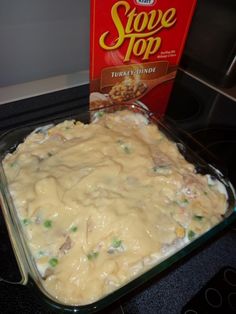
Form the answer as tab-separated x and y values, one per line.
12	263
21	282
11	270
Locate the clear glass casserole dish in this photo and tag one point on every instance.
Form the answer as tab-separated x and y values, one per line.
30	274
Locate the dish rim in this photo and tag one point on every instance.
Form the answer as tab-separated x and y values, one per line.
27	266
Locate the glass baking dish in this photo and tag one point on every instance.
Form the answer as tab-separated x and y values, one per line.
30	275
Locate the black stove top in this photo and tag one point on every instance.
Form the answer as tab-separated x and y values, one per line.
210	119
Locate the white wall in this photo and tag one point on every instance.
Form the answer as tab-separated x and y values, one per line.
42	38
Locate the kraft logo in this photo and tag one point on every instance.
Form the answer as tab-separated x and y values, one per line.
145	2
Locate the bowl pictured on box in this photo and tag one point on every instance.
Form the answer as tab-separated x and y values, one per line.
95	210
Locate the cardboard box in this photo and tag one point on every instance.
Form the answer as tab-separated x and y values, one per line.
136	47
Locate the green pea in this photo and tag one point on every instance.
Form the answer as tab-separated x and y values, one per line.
13	164
162	169
92	256
116	243
74	229
198	217
126	150
26	222
47	223
100	114
53	262
191	235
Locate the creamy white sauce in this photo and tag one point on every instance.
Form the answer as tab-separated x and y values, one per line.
101	203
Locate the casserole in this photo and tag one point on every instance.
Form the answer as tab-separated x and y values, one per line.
26	261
